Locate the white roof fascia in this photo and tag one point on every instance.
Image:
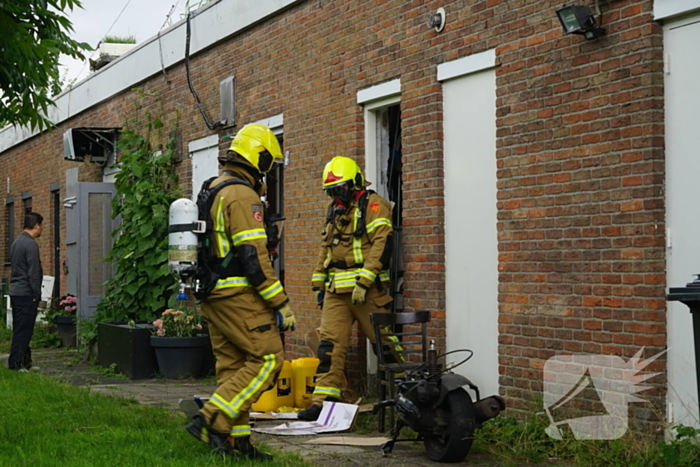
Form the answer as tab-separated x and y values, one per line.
665	9
209	25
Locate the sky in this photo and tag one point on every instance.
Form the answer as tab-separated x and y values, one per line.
97	18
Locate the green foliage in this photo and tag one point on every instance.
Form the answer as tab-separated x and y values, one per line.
5	339
87	337
519	441
109	372
44	336
683	450
33	36
120	40
146	186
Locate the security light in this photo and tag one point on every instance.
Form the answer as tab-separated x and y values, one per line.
579	20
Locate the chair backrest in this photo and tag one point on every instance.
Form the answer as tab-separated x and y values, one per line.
394	342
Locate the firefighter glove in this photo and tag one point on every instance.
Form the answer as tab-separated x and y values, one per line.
359	295
285	319
320	294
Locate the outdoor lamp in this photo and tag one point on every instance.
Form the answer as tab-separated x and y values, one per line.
579	20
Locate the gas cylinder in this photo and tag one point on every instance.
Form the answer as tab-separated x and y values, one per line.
182	237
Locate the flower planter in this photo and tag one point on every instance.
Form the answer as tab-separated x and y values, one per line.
128	348
66	330
181	357
209	359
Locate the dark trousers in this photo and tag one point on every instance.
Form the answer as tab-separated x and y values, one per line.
24	311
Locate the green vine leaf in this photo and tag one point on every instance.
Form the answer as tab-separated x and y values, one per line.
146	186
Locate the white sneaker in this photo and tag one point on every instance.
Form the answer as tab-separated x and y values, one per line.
23	370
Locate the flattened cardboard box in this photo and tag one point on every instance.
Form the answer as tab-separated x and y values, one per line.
334	417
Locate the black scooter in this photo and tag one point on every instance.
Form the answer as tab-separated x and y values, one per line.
431	401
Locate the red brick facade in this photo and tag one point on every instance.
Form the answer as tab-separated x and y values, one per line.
579	156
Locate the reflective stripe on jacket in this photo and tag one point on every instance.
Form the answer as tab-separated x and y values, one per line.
237	215
361	255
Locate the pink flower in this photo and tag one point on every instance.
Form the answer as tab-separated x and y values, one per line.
161	332
158	323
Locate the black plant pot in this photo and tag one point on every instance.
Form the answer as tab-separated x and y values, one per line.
181	357
65	328
128	348
209	359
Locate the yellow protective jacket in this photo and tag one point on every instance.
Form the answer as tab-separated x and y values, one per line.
237	214
346	259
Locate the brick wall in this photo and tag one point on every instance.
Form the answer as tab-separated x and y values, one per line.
580	188
579	154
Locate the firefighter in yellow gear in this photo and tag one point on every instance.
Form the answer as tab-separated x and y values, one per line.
248	306
350	279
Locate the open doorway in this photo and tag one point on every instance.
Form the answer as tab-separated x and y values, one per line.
384	169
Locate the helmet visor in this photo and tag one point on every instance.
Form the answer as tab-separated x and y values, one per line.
265	161
341	192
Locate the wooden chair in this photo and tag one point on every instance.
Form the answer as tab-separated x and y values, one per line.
394	349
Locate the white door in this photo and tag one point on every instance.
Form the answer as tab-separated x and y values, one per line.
471	250
682	220
205	163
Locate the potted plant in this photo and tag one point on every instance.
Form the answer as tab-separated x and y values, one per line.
180	346
64	318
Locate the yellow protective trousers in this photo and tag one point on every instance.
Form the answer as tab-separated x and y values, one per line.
249	356
337	318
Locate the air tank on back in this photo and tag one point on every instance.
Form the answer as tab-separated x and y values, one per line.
182	238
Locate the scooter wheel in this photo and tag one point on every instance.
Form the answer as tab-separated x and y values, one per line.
456	440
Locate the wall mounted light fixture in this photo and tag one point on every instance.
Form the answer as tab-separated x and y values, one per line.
437	20
577	19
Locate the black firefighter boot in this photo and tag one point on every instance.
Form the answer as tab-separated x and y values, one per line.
218	442
310	413
243	446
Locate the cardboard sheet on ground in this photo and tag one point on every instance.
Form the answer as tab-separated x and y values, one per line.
348	441
334	417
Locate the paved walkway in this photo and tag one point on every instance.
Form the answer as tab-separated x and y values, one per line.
60	364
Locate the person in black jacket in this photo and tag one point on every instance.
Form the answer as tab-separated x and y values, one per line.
25	290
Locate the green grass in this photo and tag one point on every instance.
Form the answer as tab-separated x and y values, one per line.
108	372
120	39
5	338
46	423
515	442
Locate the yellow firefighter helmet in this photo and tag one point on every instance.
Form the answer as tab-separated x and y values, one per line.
258	145
340	170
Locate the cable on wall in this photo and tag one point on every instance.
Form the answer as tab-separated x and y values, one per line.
211	126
